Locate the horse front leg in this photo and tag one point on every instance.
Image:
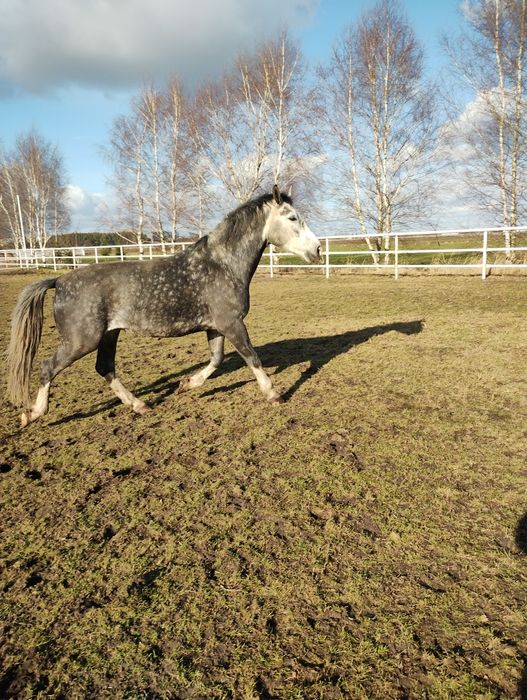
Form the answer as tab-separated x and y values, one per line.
237	334
216	343
105	366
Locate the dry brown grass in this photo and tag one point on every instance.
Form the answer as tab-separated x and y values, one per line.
363	540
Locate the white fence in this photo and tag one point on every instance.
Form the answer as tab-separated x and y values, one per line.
435	250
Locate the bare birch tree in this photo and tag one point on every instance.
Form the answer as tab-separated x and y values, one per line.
490	58
282	84
10	223
125	152
151	113
232	131
380	119
340	112
294	149
177	156
137	152
200	198
154	173
249	127
32	187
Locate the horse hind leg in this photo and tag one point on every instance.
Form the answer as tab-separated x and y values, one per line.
105	366
216	344
65	356
39	408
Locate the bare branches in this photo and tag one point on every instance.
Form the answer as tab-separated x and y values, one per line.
32	191
490	58
231	129
380	119
125	151
149	153
173	156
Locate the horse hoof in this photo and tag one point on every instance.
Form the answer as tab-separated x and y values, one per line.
184	385
142	409
24	420
277	401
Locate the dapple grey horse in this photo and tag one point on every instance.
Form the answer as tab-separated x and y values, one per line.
203	288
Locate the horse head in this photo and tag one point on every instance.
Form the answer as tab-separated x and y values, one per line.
285	229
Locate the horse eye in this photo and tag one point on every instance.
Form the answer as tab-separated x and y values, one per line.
293	218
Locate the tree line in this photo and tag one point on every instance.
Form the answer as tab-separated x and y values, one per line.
33	202
364	140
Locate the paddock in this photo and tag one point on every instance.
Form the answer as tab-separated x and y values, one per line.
367	538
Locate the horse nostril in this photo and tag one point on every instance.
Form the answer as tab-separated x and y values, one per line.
319	251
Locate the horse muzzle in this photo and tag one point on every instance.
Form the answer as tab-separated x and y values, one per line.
315	255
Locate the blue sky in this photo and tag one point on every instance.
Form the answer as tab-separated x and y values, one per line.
69	74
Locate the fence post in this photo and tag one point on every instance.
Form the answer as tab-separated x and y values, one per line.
326	252
271	268
96	251
54	258
484	255
121	252
74	258
150	251
396	257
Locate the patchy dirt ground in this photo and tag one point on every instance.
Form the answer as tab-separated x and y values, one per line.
366	539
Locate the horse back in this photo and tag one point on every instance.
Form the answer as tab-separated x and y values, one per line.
161	298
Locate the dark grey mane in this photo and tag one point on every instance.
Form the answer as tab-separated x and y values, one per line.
243	217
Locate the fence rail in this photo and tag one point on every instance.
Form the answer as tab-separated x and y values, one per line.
485	251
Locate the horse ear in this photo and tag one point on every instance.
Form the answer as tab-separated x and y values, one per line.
276	194
290	191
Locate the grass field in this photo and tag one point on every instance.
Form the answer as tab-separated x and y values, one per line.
365	539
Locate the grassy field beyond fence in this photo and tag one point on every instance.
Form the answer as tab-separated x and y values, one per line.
366	539
435	250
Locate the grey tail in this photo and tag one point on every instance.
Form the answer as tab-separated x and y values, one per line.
26	329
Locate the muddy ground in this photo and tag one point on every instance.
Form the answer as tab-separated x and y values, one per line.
365	539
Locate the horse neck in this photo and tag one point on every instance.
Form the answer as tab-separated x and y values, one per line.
243	254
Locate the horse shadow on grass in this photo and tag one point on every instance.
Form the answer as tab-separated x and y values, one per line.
315	351
521	543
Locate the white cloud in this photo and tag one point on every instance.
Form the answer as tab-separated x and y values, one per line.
75	197
462	138
87	209
454	208
46	44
